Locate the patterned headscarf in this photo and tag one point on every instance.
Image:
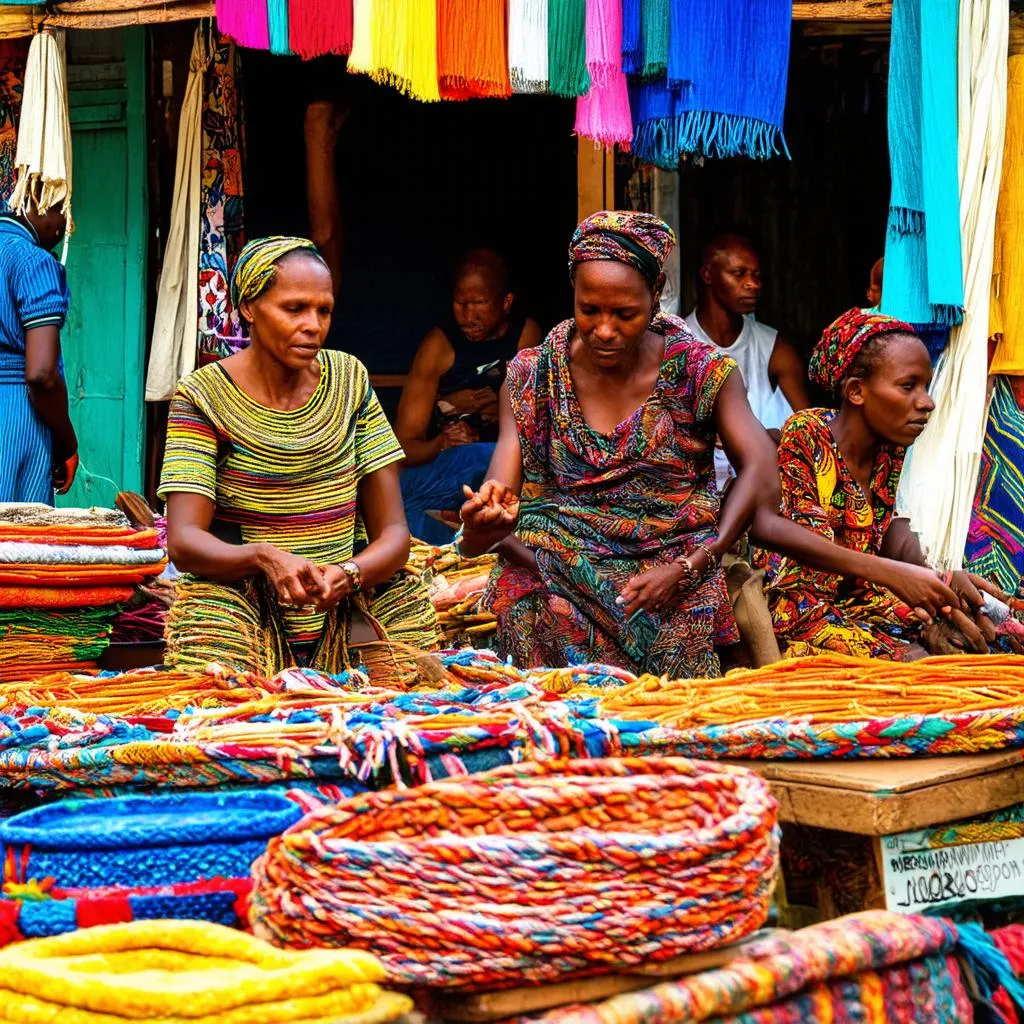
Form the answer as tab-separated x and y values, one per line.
843	339
640	240
254	270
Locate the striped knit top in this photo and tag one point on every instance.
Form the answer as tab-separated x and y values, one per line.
283	478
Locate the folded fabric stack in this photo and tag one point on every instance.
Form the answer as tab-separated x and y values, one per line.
78	864
456	586
64	573
187	970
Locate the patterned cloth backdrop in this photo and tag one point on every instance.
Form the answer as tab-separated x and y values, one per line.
222	231
13	53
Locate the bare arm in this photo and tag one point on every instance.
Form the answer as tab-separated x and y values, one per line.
787	369
433	359
323	121
532	335
47	390
380	503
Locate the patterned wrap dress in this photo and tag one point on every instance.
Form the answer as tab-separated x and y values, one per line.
287	478
819	611
598	509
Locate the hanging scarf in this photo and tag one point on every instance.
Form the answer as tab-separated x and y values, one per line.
528	45
567	48
923	280
1007	312
222	204
245	21
603	113
277	26
723	92
13	54
361	59
472	49
654	26
405	47
632	38
316	27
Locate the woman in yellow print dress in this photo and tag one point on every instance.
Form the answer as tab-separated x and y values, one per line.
840	470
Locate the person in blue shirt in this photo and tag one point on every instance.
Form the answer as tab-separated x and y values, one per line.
38	446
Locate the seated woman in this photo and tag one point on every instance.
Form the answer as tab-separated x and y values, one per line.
840	469
608	432
277	458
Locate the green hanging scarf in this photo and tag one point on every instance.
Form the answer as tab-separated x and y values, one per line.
654	15
567	48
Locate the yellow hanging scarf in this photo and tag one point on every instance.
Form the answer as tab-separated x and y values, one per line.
405	46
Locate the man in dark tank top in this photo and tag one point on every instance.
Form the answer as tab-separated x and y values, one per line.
448	414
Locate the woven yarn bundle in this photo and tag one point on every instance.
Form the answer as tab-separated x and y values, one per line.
182	970
528	873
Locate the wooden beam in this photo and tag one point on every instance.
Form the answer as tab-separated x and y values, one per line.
843	10
595	178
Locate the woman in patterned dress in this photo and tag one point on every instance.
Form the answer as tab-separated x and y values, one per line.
601	498
278	461
840	470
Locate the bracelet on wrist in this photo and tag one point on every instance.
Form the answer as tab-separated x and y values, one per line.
690	577
354	573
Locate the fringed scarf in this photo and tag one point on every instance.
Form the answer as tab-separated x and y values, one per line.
528	45
632	38
362	58
316	27
472	49
277	26
13	55
654	26
567	48
923	280
603	113
723	92
405	47
222	204
245	21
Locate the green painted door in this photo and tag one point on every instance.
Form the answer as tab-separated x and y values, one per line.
104	338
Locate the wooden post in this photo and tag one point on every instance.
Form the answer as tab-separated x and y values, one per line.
843	10
595	178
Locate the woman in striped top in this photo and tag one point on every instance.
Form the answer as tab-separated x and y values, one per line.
279	461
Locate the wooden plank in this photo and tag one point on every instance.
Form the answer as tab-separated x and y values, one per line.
592	178
843	10
186	11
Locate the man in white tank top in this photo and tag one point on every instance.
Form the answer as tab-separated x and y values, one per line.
774	373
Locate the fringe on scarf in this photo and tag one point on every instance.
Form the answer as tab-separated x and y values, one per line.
604	44
603	114
632	38
528	45
405	47
567	48
361	59
245	21
472	48
277	26
661	142
654	15
316	27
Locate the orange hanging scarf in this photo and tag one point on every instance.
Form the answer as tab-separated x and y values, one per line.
472	49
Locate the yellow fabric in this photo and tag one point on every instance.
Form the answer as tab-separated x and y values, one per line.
405	46
361	59
1006	316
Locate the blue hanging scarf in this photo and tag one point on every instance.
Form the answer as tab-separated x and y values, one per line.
923	278
632	38
724	91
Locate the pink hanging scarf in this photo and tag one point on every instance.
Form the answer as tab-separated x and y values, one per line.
603	113
245	21
316	27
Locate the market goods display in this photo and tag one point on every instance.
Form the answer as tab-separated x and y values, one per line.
456	586
530	872
835	706
177	971
64	575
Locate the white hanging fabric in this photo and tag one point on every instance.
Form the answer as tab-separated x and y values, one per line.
173	352
528	45
942	474
43	154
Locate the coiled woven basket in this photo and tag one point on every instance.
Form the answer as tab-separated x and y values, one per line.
529	872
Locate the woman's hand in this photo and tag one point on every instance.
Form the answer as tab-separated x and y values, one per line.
64	474
493	505
921	588
339	587
296	581
651	591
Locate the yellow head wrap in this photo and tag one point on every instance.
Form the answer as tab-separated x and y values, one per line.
255	269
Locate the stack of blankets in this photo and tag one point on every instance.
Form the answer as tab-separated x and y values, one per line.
64	575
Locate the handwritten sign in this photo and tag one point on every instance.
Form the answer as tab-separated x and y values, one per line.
918	877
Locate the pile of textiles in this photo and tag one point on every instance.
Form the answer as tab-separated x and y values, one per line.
528	873
64	575
187	970
872	966
81	863
456	587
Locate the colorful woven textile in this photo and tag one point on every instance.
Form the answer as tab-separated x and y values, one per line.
404	46
873	966
456	588
689	850
151	971
640	240
624	501
315	28
472	48
30	636
63	597
13	54
995	544
842	341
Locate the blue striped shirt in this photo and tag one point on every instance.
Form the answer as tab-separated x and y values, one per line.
33	293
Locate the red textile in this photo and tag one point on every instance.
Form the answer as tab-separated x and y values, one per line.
63	597
316	27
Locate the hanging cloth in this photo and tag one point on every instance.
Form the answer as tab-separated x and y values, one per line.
472	49
317	27
940	480
361	59
277	26
632	38
528	45
222	203
404	47
43	153
603	113
13	55
923	281
173	352
246	21
654	28
1007	311
567	48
